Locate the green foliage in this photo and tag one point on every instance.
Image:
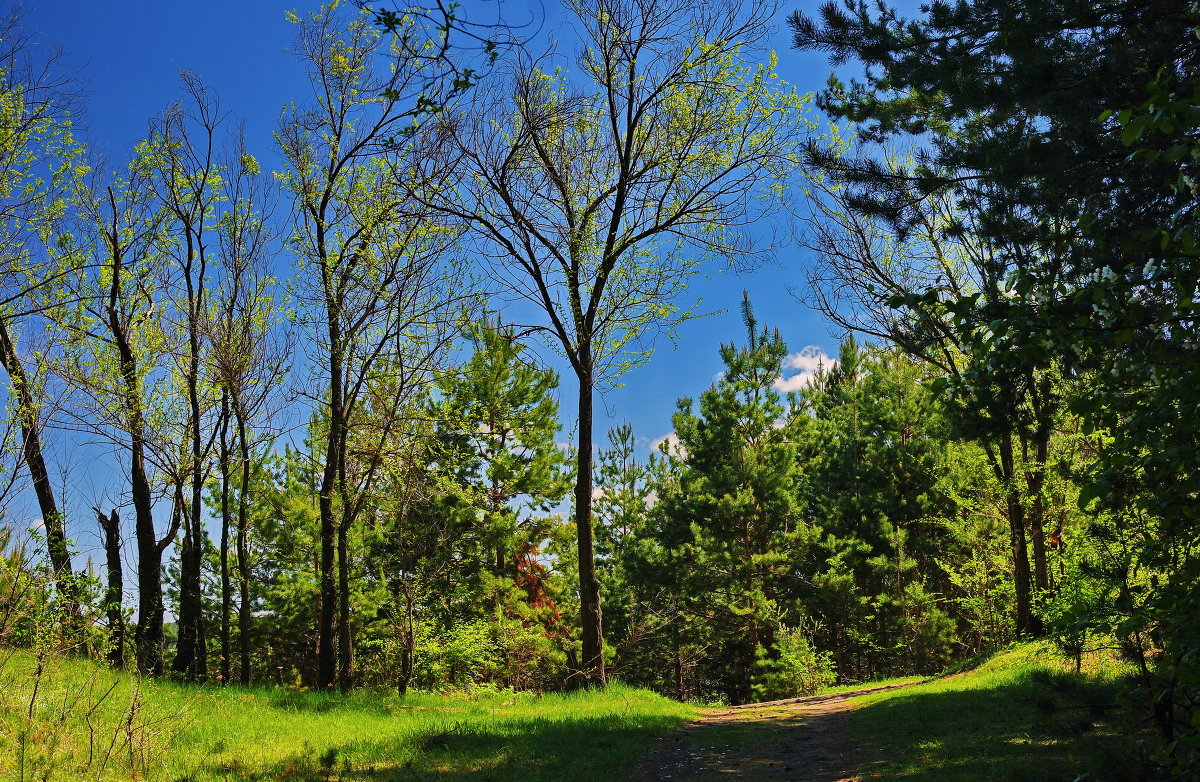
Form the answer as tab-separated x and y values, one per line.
1080	176
796	668
166	731
730	528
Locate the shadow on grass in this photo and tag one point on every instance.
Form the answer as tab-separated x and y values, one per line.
581	749
321	703
1040	725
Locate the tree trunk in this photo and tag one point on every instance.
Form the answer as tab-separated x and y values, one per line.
1025	623
188	662
592	664
31	449
243	549
344	641
409	640
111	527
226	586
149	636
1036	481
190	658
148	639
328	593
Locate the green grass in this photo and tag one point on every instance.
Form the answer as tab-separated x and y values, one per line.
840	688
163	731
1022	715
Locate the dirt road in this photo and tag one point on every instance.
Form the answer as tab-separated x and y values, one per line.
798	740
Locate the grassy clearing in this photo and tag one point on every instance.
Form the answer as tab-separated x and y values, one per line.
1022	715
89	723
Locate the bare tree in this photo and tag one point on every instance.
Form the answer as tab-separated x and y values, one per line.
374	274
36	166
116	351
188	178
597	195
250	358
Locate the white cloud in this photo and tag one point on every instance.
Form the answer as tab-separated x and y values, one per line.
807	362
673	446
37	524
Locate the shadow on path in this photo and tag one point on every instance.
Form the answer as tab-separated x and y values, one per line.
797	739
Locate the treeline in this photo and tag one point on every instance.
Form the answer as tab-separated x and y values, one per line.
1009	448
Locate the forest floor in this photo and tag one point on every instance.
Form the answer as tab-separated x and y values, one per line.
797	739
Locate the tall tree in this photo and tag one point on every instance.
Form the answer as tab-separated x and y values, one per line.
249	363
118	349
598	194
933	289
1039	141
876	458
496	423
188	180
38	162
372	259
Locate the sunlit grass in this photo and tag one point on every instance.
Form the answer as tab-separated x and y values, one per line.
899	680
161	730
1023	714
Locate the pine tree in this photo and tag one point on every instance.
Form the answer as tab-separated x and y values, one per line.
732	527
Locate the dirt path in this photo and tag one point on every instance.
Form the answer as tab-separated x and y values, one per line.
798	740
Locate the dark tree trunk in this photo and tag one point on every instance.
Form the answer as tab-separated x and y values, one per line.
1025	623
149	636
328	592
111	527
1036	481
408	640
592	664
189	662
31	448
148	639
191	654
345	646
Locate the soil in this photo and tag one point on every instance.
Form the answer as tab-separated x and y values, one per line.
798	740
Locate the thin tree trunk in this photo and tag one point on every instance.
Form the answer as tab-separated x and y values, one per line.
148	639
345	646
1036	481
410	635
592	664
1024	622
111	527
226	586
31	447
243	550
190	658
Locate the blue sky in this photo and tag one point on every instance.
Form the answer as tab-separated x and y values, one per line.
127	54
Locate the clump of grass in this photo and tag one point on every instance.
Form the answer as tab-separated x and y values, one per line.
210	733
1022	714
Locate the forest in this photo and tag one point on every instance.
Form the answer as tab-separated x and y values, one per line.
332	396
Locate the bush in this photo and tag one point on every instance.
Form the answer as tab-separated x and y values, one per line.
797	669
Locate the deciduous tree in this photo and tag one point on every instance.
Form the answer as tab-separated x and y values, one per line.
598	194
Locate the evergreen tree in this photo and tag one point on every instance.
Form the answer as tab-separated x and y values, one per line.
733	533
878	446
1036	144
